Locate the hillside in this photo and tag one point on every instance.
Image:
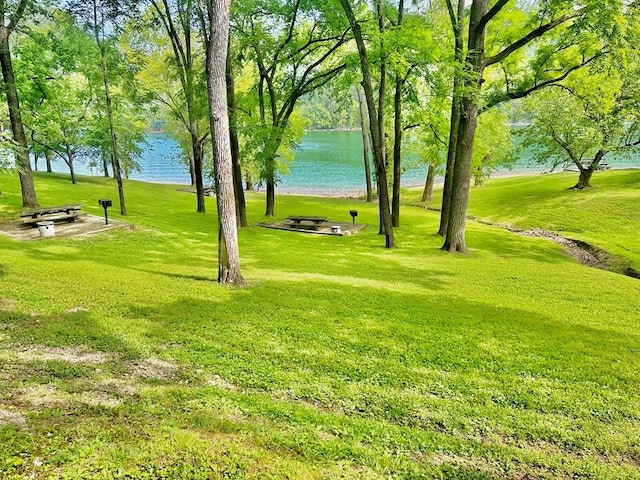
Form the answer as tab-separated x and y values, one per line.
120	356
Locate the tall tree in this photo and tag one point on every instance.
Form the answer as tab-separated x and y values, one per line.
294	45
216	30
541	64
10	16
364	127
375	121
456	17
101	17
241	206
177	16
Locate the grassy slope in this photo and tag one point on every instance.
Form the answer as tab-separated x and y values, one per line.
606	216
339	360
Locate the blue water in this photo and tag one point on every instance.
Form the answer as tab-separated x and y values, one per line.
327	162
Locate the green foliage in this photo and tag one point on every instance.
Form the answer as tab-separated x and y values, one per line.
493	147
338	360
596	112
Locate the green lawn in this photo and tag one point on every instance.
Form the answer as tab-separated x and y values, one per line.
120	357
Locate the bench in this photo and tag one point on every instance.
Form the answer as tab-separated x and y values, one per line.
58	213
307	222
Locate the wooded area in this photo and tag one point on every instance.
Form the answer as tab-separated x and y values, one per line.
439	79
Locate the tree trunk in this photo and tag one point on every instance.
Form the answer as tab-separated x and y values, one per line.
455	236
36	157
584	180
428	184
271	198
29	198
249	181
69	162
457	23
365	146
375	128
192	170
228	250
241	206
48	156
397	137
107	96
397	152
198	156
105	163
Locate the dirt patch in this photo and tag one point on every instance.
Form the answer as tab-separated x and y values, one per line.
7	304
84	225
154	368
71	355
12	417
41	396
218	381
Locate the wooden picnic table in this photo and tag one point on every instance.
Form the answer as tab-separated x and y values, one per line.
60	212
306	221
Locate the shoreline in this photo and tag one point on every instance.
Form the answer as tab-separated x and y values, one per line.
355	193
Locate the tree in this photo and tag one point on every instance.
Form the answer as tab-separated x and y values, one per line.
295	47
364	127
102	19
10	16
241	207
56	79
595	114
493	146
376	123
176	16
216	30
559	39
457	20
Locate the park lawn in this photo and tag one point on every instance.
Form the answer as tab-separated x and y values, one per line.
606	216
121	357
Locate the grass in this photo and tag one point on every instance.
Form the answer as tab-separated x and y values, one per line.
120	357
605	216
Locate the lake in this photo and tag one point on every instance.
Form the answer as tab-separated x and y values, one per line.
326	163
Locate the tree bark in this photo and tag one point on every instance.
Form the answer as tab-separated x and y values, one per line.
48	156
365	146
397	151
457	22
427	193
241	206
192	170
375	128
584	180
249	181
198	156
228	249
271	198
28	190
69	162
474	66
397	137
105	163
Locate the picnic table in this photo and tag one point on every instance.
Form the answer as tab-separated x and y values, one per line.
60	212
306	221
